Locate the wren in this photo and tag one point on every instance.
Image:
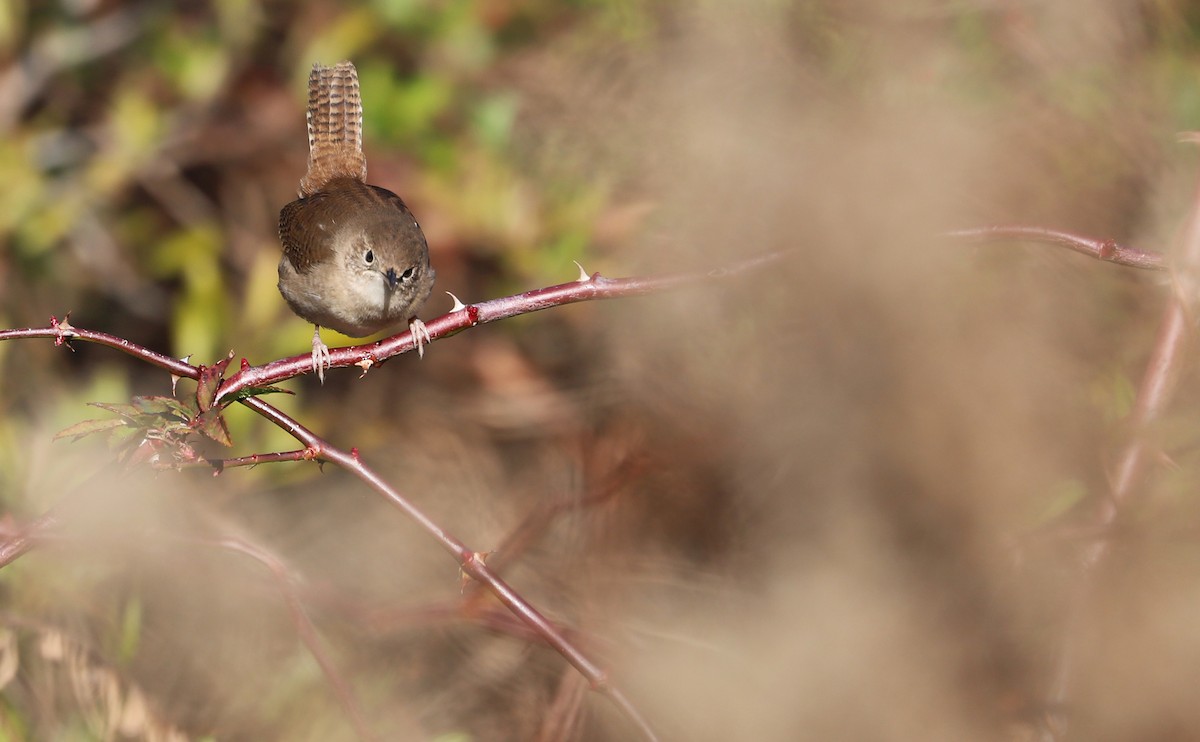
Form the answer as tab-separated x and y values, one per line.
354	258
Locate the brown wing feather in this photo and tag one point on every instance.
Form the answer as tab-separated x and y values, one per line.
305	240
334	127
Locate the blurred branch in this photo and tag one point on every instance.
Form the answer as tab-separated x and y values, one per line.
1107	250
1153	395
471	562
537	522
17	539
562	719
304	628
1157	385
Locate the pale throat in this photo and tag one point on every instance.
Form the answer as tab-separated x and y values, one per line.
371	287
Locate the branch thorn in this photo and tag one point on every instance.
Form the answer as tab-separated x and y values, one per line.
63	330
458	305
477	558
175	378
583	275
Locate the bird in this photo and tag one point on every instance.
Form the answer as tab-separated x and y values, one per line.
354	257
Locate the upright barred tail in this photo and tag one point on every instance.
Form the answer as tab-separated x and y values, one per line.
334	127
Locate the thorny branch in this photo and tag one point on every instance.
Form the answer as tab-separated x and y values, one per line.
1153	395
1107	250
461	317
305	629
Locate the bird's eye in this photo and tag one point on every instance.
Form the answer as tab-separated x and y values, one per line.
407	274
369	256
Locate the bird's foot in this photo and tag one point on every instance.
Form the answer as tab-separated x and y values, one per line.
321	359
420	335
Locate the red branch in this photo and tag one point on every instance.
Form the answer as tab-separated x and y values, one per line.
1154	393
1107	250
592	288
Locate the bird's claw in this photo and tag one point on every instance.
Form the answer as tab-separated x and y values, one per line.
420	335
321	359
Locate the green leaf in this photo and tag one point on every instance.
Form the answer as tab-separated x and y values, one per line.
199	315
88	427
255	391
493	121
124	435
131	630
1063	497
162	406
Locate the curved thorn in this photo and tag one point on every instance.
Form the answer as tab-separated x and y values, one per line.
175	377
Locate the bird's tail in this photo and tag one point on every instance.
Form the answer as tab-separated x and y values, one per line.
334	127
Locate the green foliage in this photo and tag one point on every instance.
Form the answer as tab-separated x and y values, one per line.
195	67
1113	394
201	311
403	111
1062	499
130	630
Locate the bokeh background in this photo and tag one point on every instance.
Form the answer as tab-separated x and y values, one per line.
840	498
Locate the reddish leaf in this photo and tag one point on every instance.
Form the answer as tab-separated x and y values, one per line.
209	382
211	424
87	427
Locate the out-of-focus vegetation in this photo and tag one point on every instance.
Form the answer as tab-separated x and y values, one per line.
147	150
815	475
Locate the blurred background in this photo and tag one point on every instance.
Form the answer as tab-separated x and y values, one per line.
838	498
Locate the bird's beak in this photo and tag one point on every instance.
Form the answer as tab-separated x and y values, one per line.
392	278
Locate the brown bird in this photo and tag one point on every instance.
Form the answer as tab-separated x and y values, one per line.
354	258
